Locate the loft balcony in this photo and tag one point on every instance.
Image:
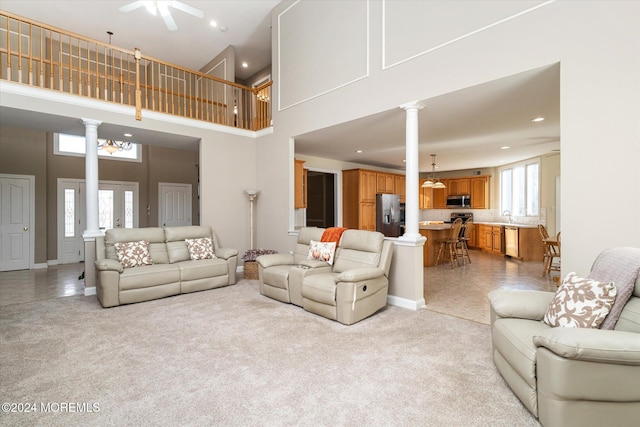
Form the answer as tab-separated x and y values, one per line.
42	56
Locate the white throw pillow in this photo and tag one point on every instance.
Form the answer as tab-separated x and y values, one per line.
133	254
323	251
580	303
201	248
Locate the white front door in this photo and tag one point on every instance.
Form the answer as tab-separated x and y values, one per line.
175	204
70	217
117	208
15	222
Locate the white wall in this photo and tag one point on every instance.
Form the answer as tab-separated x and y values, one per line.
595	44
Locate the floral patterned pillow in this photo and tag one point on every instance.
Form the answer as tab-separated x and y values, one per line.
580	303
133	254
323	251
200	248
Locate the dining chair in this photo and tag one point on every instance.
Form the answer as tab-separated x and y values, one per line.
449	244
551	250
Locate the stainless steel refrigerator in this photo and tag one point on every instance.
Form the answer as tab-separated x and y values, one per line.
388	214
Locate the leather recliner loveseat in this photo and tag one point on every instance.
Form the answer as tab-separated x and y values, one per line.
351	289
171	271
567	376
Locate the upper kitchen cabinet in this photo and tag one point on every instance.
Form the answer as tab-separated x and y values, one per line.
400	186
425	199
300	180
479	192
458	187
385	183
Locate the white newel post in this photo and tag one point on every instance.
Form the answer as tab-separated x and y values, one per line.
91	194
406	285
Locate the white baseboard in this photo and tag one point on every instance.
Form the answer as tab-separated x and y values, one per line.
405	303
89	291
53	262
40	265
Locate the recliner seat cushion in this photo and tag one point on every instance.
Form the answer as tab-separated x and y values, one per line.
148	276
320	288
513	338
277	276
200	269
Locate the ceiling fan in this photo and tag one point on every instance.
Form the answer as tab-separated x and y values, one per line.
153	7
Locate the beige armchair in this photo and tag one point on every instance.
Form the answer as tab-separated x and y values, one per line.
572	376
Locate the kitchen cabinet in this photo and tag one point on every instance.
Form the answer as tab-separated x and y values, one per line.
440	196
523	243
491	238
300	185
479	192
425	196
359	199
385	183
459	187
400	186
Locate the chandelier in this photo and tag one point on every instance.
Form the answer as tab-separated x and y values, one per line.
111	146
433	182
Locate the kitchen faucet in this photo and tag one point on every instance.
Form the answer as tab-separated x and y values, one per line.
508	212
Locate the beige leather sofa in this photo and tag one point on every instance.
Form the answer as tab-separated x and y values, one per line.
351	289
172	272
571	376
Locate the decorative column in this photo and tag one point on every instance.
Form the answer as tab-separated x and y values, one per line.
91	176
412	171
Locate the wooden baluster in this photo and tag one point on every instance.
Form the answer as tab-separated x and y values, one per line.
137	57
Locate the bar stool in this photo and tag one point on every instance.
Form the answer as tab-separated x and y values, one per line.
449	244
462	247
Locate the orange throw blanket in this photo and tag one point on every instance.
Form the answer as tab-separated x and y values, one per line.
332	234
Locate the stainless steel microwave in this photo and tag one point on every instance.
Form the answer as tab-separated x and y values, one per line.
459	201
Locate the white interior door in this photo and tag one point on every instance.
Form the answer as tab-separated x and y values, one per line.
16	218
175	204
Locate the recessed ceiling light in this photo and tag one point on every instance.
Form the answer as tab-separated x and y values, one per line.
128	135
223	29
213	23
506	147
245	65
537	119
358	151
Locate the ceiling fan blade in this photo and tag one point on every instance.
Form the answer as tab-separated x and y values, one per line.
168	19
131	6
187	9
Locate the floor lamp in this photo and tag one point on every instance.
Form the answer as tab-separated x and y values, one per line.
252	194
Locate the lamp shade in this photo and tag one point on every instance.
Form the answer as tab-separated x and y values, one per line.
427	184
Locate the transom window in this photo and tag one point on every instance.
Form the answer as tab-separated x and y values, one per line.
73	145
520	189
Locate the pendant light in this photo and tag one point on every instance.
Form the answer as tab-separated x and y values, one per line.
433	182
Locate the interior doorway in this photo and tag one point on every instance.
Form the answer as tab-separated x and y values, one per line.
321	199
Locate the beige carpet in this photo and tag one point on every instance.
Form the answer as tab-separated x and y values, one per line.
232	357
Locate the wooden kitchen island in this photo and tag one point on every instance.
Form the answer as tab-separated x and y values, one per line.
433	233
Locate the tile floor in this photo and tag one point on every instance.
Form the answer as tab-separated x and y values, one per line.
460	292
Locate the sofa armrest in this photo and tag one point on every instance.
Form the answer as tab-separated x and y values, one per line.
520	304
360	274
108	265
275	259
592	345
226	253
313	263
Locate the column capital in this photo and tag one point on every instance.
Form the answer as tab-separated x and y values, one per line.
91	122
413	105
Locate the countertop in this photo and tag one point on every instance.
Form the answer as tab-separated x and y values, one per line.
506	224
433	225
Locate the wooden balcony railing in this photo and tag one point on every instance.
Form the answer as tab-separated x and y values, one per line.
43	56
